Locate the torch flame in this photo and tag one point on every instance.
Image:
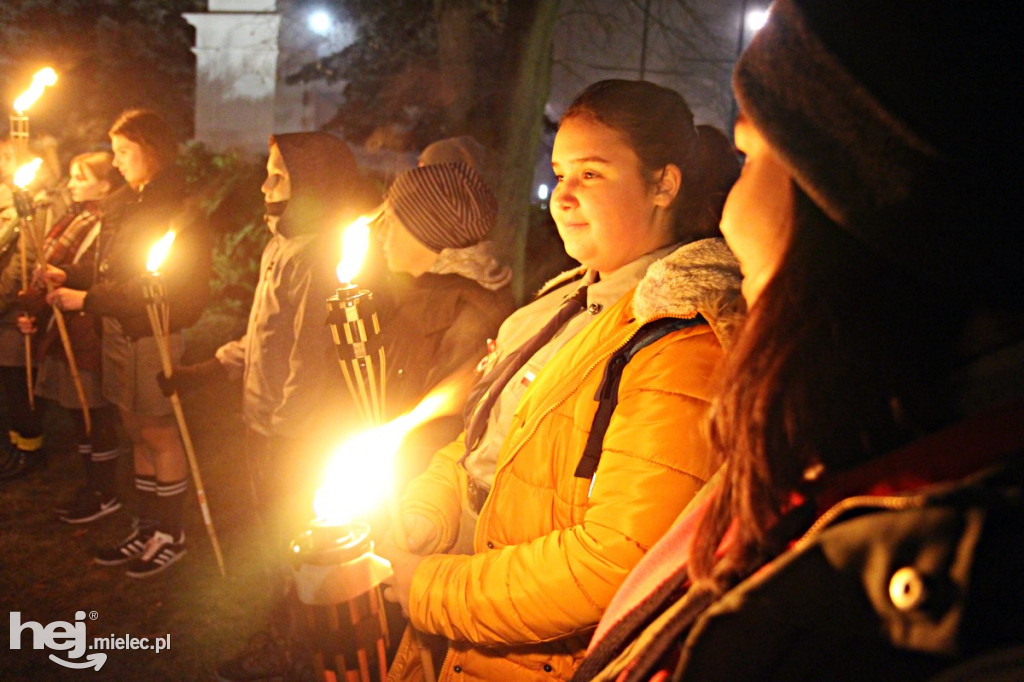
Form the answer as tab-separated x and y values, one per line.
27	173
360	475
159	252
40	81
355	242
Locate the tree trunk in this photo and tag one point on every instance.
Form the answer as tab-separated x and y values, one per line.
457	42
527	78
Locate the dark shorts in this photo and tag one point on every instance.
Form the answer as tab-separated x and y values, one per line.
130	369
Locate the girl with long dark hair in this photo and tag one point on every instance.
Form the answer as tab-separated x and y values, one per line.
867	518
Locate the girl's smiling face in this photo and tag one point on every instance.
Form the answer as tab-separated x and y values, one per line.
604	207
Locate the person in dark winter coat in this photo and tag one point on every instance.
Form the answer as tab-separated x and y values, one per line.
73	238
866	523
450	293
134	219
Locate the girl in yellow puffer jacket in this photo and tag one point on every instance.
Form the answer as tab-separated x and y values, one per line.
514	554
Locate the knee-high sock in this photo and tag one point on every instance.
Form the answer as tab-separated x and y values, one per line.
170	499
145	488
104	448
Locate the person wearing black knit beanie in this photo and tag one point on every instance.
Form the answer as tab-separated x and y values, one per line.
865	521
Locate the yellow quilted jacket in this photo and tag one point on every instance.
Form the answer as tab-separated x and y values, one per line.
550	548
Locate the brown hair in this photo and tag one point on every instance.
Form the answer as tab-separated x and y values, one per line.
150	131
833	367
101	165
658	125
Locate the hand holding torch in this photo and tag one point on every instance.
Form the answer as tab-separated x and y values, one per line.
155	292
23	203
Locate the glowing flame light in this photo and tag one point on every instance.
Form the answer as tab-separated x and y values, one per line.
756	19
360	475
355	242
27	173
40	81
159	252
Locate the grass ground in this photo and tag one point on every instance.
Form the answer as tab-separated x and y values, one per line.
46	572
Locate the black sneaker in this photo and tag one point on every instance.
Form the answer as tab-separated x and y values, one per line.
129	548
90	505
18	463
264	659
161	551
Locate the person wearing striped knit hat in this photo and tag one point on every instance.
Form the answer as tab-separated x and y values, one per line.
450	292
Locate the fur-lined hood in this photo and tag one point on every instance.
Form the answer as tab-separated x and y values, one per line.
701	277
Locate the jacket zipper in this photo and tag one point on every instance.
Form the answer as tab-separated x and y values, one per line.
860	501
554	406
444	661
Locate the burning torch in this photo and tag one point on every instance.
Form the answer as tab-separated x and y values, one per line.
23	203
19	140
356	330
333	561
155	292
42	79
353	318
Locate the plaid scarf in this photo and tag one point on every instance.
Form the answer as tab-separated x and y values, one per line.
68	233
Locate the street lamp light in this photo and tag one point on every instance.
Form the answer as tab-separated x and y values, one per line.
752	20
755	20
319	22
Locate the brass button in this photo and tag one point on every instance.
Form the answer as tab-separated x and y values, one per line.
595	308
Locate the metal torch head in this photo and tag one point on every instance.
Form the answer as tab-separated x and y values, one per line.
23	204
352	315
153	288
19	131
335	564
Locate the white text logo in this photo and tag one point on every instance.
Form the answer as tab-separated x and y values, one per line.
59	635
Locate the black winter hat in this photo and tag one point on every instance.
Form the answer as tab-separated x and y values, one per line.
895	117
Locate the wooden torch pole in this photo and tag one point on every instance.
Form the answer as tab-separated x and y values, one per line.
157	309
62	329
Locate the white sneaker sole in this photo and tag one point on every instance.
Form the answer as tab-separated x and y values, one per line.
100	513
159	569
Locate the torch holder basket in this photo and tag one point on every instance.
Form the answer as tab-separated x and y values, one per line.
337	580
352	314
23	205
19	130
153	288
334	564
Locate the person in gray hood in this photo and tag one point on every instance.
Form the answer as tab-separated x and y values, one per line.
290	377
292	388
